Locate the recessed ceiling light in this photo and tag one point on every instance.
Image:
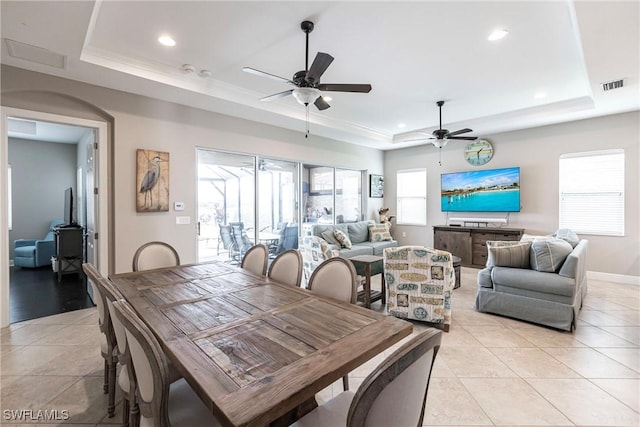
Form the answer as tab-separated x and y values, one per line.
327	98
540	95
401	125
166	41
497	35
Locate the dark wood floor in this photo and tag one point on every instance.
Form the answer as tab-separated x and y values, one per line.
35	292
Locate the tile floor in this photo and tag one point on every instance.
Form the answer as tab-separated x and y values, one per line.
490	370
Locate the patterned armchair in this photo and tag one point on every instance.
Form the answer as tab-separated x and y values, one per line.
314	251
420	281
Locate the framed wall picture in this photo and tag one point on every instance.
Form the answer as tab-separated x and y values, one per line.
152	181
376	186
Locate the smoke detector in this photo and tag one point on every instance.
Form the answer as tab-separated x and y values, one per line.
188	68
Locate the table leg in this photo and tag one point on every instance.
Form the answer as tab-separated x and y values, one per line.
295	414
367	285
383	289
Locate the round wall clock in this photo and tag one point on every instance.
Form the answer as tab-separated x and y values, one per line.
478	152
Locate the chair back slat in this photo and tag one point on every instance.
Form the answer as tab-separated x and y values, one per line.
155	255
255	259
287	268
395	393
149	364
335	278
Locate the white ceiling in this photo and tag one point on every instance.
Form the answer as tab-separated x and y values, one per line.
412	53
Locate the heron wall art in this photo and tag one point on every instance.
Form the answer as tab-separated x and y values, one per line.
152	181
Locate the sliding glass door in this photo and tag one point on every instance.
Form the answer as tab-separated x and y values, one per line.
226	196
278	204
244	199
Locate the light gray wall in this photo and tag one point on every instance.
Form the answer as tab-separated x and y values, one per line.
41	171
140	122
536	151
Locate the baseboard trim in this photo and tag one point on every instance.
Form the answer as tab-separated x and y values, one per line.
617	278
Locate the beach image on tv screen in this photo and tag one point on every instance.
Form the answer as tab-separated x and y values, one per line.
494	190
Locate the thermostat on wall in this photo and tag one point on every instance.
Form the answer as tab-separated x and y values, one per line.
178	206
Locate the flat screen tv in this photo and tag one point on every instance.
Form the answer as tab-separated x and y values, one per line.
69	214
493	190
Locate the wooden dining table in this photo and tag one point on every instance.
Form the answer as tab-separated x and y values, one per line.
254	350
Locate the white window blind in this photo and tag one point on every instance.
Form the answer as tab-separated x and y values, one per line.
592	192
412	197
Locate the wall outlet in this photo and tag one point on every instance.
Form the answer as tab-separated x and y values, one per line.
183	220
404	234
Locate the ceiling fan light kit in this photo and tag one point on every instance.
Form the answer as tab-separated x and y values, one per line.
306	95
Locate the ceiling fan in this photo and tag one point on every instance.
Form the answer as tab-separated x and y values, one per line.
307	82
440	137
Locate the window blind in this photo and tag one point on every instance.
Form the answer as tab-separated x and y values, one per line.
411	197
592	192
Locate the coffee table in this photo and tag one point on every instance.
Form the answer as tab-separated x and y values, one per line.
368	261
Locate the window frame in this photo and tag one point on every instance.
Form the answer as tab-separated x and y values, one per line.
615	229
400	197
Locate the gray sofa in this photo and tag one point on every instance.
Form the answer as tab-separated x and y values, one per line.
548	298
358	233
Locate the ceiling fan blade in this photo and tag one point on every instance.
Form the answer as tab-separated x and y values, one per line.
336	87
466	138
321	103
319	66
458	132
277	95
267	75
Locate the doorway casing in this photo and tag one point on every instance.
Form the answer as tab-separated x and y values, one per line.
100	129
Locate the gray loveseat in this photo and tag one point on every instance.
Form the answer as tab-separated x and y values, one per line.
358	233
551	298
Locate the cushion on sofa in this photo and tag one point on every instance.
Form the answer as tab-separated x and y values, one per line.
356	250
516	256
330	238
378	247
531	237
484	278
358	231
568	236
342	237
548	255
379	233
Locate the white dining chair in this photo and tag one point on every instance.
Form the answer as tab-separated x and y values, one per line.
161	403
255	259
287	268
125	378
335	278
394	394
107	337
155	255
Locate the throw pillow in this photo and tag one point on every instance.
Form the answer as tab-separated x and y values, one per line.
516	256
530	237
358	231
502	243
344	240
568	236
549	255
379	233
329	237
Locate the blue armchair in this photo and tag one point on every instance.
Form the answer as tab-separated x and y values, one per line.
35	253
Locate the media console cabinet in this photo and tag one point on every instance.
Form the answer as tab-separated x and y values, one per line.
470	243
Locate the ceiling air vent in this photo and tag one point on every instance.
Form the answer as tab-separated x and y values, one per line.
35	54
614	84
